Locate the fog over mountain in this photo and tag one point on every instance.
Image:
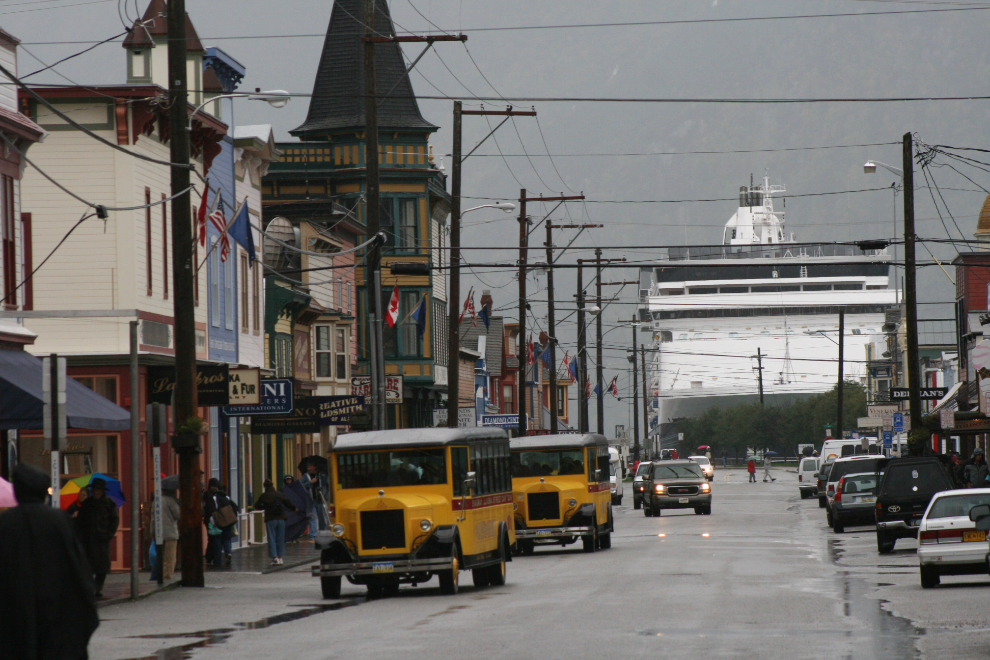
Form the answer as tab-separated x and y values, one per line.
888	56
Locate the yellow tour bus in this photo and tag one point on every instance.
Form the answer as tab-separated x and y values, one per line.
413	503
561	491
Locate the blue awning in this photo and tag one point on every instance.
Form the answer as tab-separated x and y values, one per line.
22	406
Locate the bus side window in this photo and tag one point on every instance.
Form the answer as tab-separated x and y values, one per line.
459	468
592	463
506	485
487	469
603	465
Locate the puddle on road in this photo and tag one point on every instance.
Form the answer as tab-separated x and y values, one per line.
217	636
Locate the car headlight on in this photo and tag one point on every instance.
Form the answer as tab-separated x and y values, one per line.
572	502
426	525
705	488
338	530
659	488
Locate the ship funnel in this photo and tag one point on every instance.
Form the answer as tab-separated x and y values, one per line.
742	196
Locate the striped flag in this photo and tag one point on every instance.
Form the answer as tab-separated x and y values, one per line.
219	221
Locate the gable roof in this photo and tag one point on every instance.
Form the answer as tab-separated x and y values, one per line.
154	23
338	93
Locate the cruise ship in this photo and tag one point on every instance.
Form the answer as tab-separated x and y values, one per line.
712	311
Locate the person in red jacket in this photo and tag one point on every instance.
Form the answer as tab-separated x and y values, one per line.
751	468
673	454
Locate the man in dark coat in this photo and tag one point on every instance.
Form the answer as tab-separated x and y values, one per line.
98	521
47	610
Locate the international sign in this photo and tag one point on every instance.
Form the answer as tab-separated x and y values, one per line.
361	386
466	417
927	393
276	399
245	386
501	421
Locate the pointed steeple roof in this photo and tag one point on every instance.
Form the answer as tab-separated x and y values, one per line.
338	93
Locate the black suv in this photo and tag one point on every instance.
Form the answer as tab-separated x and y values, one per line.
905	490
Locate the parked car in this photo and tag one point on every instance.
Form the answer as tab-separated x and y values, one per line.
820	480
906	489
807	483
948	541
854	500
676	485
842	467
641	471
706	466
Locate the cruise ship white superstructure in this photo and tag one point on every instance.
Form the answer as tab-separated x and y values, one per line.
711	311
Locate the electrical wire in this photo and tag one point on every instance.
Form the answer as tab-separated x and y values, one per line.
65	59
81	220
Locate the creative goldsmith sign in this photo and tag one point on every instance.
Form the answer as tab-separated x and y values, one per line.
212	385
309	414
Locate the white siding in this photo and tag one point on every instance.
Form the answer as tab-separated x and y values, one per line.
437	241
8	93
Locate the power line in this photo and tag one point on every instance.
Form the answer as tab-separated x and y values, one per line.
685	153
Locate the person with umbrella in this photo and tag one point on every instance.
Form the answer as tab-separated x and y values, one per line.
317	486
98	522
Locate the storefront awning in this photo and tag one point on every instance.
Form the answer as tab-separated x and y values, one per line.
22	406
948	401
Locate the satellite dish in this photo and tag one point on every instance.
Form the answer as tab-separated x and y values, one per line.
275	254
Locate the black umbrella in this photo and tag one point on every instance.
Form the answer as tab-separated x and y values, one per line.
319	461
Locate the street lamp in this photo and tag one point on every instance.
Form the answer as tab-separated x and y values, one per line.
870	167
277	98
508	207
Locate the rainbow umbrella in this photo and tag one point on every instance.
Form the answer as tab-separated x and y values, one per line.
7	499
70	491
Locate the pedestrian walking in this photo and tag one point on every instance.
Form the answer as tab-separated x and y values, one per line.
317	486
767	464
975	474
751	468
724	454
47	610
170	533
222	511
708	455
274	504
98	522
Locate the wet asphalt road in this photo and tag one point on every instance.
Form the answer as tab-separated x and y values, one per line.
761	577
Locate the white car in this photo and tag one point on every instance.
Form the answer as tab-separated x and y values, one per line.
948	541
807	481
706	466
615	476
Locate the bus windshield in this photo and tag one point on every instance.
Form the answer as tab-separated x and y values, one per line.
547	463
411	467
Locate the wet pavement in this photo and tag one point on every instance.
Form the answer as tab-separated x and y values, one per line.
762	576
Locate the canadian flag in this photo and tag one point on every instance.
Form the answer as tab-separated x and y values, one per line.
392	315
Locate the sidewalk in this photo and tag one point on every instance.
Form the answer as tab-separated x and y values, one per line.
249	559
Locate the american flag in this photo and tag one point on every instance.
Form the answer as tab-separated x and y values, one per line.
220	222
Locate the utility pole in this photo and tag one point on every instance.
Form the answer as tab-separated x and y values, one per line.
635	381
646	410
187	441
598	342
582	356
453	321
521	344
759	362
373	220
910	294
842	332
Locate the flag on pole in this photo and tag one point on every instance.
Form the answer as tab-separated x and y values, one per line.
419	314
573	369
613	388
201	216
530	352
219	221
546	357
392	314
598	389
469	308
486	318
240	230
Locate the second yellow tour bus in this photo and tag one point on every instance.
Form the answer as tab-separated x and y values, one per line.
413	503
561	491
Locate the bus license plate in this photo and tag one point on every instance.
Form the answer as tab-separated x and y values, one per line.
543	532
974	535
382	567
683	500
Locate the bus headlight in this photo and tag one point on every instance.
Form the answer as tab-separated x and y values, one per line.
425	525
572	502
338	530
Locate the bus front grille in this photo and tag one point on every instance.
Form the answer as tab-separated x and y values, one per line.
544	506
383	529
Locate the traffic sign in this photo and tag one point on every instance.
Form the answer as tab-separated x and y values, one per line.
948	418
888	439
898	422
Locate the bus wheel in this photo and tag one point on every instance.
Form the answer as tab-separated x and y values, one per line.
590	541
480	577
449	579
330	586
496	574
605	541
375	591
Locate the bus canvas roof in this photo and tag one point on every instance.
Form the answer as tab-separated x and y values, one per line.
560	441
429	437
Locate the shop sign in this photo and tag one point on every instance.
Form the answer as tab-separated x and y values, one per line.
212	385
361	386
337	410
276	399
245	386
305	418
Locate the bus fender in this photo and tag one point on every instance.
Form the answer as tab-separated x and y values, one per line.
446	534
337	551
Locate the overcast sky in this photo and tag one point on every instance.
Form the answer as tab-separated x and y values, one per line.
919	54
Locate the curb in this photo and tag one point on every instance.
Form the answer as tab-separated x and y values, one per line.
295	564
106	602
